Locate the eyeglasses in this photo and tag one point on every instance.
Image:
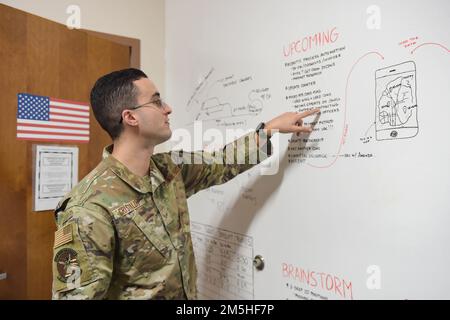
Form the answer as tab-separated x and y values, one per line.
158	103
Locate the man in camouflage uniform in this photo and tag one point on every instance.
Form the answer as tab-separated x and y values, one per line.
124	230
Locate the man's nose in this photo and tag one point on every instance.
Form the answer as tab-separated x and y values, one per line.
167	108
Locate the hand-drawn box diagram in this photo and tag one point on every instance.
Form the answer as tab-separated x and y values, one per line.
227	100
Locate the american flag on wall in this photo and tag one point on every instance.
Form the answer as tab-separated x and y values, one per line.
49	119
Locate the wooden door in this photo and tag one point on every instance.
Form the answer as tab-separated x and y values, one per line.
41	57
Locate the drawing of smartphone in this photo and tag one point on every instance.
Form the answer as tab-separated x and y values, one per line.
396	102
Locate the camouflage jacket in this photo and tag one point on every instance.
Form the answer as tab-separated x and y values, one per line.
121	236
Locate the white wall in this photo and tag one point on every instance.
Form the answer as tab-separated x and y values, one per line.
362	209
141	19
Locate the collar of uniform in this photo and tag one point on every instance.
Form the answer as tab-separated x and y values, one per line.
162	164
162	169
156	177
140	184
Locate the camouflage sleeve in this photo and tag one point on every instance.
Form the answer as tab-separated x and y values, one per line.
83	254
201	170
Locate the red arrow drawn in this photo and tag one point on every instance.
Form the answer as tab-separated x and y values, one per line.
345	127
430	43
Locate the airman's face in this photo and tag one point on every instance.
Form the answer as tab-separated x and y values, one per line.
153	115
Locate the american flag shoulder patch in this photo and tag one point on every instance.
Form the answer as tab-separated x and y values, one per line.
63	235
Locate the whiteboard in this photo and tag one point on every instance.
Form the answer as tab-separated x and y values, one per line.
360	208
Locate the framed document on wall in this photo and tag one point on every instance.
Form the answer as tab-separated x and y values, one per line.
55	173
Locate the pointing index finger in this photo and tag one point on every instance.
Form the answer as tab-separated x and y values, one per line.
307	113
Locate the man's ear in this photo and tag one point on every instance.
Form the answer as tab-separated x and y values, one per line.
129	118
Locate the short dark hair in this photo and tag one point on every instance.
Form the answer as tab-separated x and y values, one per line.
113	93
